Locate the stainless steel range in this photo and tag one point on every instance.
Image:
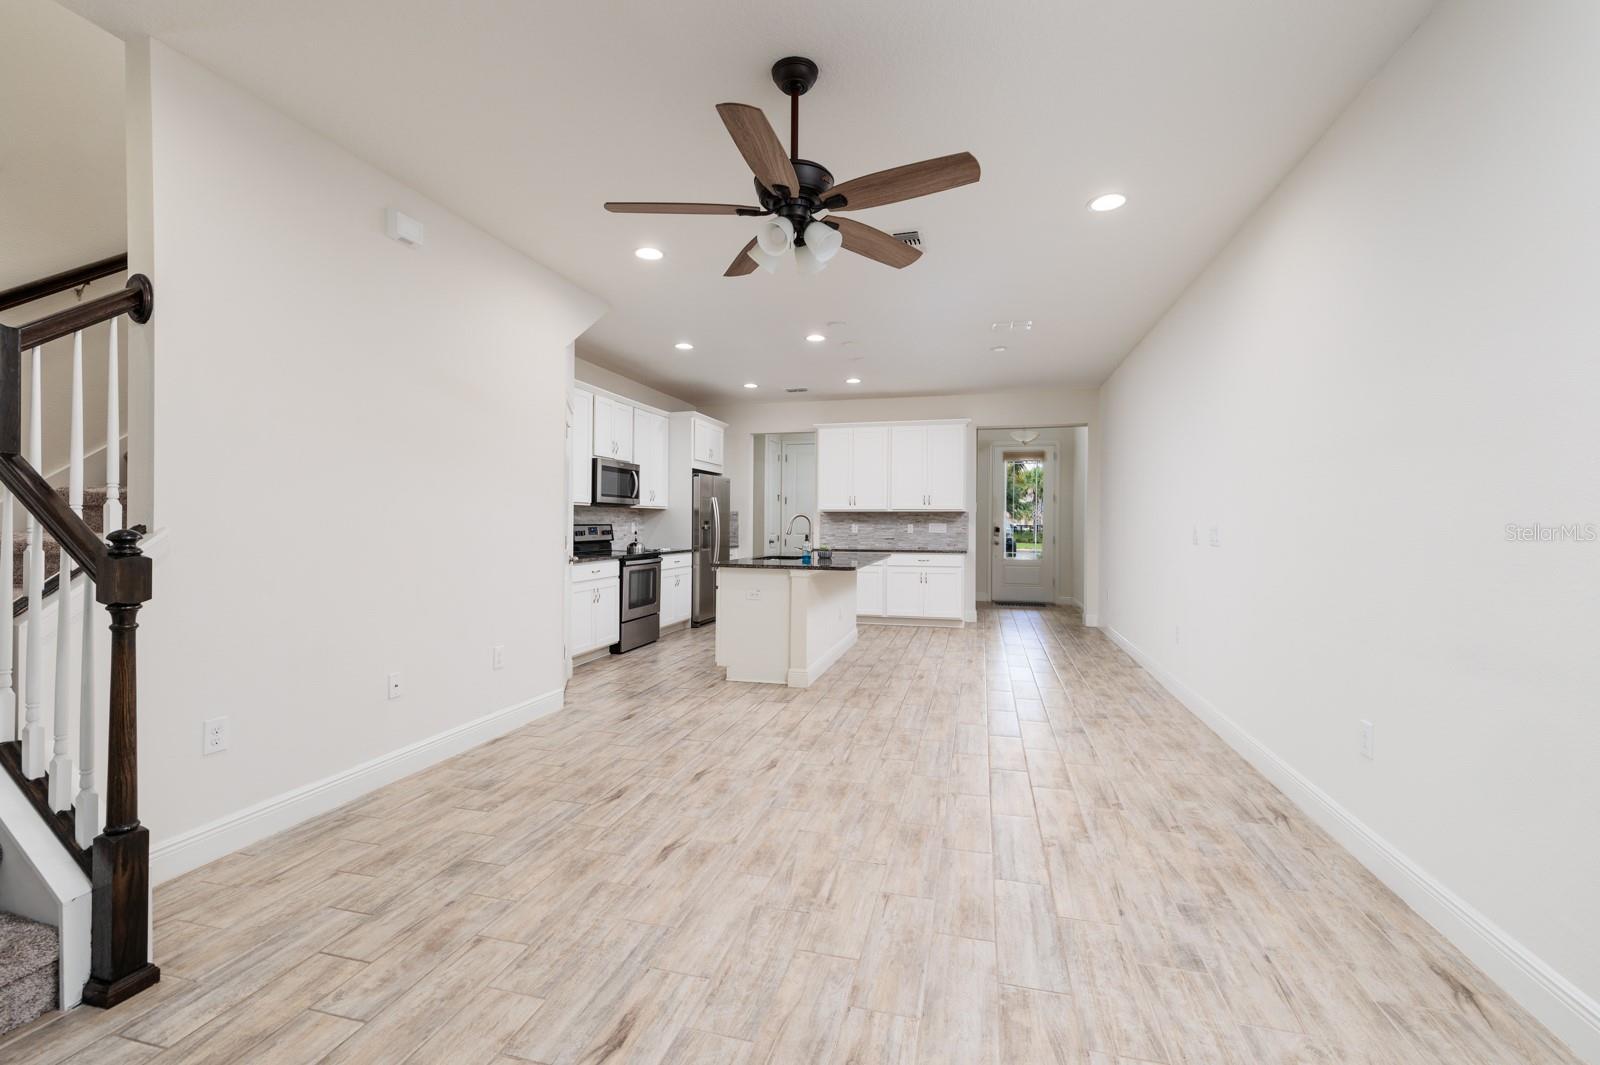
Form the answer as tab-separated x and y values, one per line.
640	601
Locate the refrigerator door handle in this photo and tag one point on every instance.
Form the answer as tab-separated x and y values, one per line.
716	528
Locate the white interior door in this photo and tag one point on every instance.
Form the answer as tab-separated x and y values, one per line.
1022	540
799	485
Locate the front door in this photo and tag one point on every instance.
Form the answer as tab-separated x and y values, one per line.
1023	536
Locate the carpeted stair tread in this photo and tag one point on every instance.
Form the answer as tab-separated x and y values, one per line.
29	954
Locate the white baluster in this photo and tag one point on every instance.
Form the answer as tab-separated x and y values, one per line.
8	693
33	745
61	764
87	803
112	520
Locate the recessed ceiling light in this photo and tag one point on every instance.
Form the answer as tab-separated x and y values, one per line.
1109	201
648	254
815	338
684	345
852	380
749	384
998	347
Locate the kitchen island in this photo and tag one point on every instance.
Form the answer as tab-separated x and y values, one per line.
782	621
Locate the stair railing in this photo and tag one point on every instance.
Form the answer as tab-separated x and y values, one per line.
115	573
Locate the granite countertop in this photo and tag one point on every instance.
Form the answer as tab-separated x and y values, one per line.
622	553
842	561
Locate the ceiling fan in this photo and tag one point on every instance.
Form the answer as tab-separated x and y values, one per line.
800	196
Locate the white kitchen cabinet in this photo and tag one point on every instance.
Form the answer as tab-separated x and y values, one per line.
707	437
613	428
870	591
582	447
902	592
927	467
947	467
594	617
925	586
650	452
677	588
852	467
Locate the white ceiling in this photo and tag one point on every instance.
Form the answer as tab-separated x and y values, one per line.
524	117
61	133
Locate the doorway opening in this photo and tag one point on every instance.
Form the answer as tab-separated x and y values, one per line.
1031	502
787	487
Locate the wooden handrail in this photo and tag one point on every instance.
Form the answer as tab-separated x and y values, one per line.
119	858
66	279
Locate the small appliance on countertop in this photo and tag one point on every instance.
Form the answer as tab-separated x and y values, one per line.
640	602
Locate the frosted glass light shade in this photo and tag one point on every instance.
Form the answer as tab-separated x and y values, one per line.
823	240
776	236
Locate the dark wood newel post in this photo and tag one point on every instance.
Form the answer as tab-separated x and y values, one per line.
120	941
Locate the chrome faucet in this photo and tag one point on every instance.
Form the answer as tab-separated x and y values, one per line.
790	530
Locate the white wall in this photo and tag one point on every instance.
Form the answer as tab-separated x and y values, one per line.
356	457
1395	358
588	373
1042	406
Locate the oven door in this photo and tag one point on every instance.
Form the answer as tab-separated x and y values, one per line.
641	588
616	482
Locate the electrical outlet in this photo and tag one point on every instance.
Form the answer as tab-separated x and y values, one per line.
497	656
396	688
1366	739
214	735
754	595
909	528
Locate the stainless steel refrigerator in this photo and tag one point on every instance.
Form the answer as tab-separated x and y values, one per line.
711	530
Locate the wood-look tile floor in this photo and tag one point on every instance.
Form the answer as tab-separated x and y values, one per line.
998	844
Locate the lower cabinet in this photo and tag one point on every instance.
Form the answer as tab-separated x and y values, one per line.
677	588
924	586
594	608
870	591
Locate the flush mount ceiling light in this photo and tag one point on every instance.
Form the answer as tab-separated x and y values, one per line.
800	193
684	345
750	384
1024	436
1109	201
815	338
852	380
649	255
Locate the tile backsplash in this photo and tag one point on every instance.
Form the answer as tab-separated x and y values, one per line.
879	532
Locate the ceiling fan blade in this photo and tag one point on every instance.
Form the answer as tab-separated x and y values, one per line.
752	134
875	243
743	264
905	182
682	208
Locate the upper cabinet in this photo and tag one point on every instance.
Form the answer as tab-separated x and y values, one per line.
707	439
901	466
852	467
581	439
613	428
928	467
650	452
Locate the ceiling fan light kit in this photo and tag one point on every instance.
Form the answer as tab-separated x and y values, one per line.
798	196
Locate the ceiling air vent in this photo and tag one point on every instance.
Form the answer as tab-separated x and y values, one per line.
910	236
797	390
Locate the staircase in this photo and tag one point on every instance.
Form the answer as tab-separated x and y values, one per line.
68	700
94	509
29	959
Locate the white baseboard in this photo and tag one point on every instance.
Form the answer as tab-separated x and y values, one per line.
1557	1002
927	623
1068	600
1091	621
225	835
803	678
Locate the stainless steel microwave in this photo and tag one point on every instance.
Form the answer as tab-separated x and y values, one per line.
616	482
